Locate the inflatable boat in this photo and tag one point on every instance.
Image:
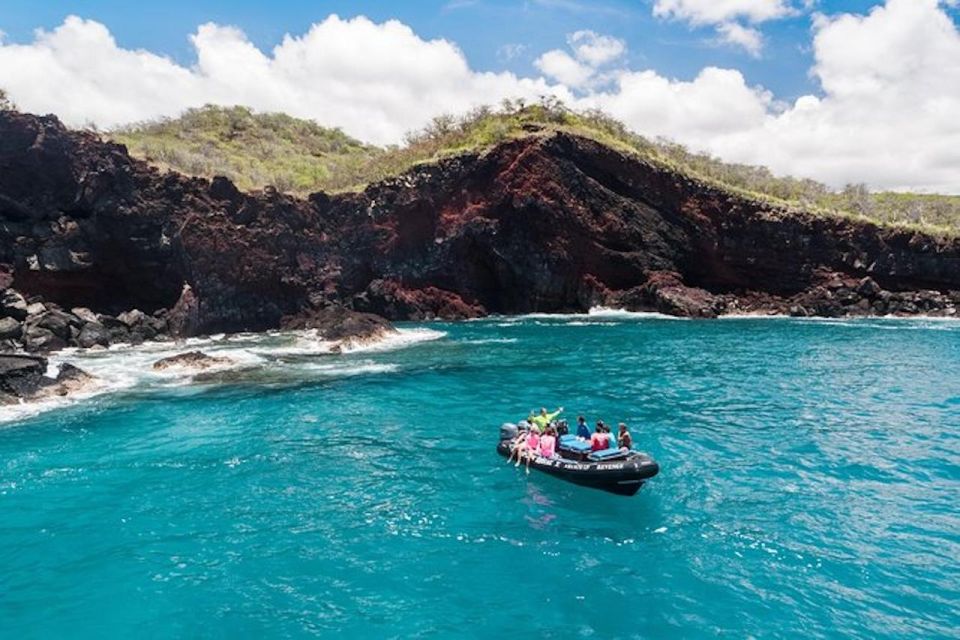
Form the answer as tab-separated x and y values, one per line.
619	471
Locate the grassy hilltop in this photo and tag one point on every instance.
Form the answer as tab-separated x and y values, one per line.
300	156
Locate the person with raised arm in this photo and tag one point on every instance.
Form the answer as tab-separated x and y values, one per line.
543	419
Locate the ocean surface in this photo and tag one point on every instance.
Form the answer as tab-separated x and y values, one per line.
809	487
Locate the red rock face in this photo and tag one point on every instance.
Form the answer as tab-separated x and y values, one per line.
556	223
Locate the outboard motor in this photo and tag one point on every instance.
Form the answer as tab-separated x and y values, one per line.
508	431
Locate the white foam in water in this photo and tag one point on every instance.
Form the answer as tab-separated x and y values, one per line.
754	316
609	312
401	339
355	369
123	366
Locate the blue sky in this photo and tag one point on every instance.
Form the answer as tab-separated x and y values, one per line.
482	29
837	90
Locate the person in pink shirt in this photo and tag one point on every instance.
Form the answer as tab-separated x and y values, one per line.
531	447
548	443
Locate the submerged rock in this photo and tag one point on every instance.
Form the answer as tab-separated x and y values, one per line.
192	360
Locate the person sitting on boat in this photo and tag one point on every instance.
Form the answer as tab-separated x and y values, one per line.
624	439
583	431
528	447
548	444
518	444
600	439
544	419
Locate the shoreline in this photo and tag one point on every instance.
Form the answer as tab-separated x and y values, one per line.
296	355
361	344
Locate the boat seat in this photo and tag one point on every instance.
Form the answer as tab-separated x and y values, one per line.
574	444
607	454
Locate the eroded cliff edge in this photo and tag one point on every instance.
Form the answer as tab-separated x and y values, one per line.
550	223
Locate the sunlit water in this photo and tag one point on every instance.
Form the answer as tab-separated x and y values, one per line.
809	488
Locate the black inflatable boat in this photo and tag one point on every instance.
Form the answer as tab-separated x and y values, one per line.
615	470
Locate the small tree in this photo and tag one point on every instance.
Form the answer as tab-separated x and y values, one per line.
6	104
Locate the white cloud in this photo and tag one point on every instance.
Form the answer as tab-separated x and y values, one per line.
887	116
591	51
562	67
715	104
728	16
887	113
701	12
737	34
376	81
594	49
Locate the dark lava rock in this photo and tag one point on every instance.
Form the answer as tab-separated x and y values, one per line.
868	288
24	378
57	322
9	328
183	319
390	299
70	379
13	305
118	330
37	338
92	334
551	222
20	376
132	318
338	324
191	360
85	315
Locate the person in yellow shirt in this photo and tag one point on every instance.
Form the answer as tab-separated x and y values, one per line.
544	419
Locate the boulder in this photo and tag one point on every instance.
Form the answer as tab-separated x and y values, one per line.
92	334
119	332
84	314
21	375
57	322
338	324
868	288
36	338
13	305
9	328
24	378
35	308
665	292
132	318
191	360
70	379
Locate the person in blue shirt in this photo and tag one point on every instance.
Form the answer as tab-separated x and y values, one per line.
583	431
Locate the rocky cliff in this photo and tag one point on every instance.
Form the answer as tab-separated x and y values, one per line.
552	223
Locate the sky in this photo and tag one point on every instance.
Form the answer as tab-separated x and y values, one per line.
842	91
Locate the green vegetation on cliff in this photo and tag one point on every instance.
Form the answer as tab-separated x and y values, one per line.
255	149
252	149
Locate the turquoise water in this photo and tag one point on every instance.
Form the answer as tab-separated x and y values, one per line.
809	487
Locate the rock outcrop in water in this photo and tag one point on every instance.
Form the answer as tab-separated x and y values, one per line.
191	360
553	223
23	377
